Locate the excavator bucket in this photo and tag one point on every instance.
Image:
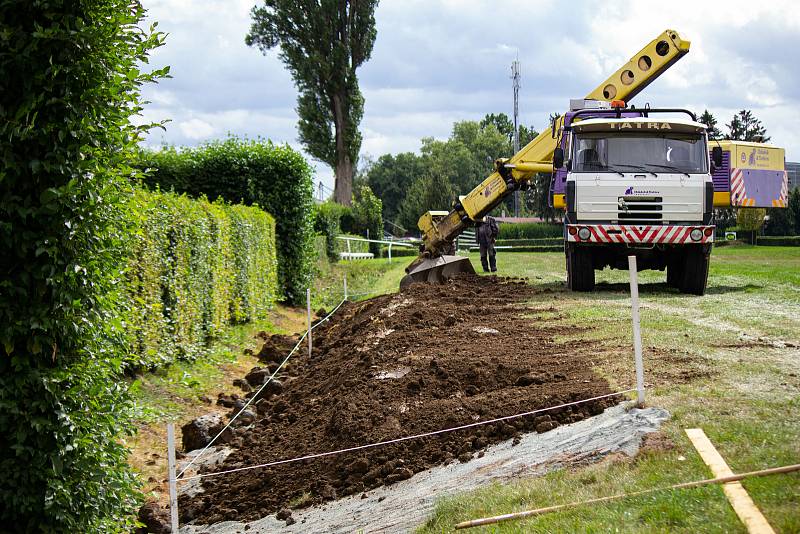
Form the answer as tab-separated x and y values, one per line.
436	270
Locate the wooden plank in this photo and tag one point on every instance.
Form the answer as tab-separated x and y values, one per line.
742	504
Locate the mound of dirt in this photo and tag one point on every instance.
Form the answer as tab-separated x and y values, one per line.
428	358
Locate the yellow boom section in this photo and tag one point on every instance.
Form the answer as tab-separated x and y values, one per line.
537	156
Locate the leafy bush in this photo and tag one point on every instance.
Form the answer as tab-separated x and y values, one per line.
276	178
332	219
530	230
194	268
327	221
367	214
779	241
69	82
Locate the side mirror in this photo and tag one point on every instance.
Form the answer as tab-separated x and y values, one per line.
716	156
558	158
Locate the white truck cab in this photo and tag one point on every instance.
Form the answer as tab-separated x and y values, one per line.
638	182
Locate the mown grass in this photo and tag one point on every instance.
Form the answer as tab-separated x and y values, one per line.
365	278
746	397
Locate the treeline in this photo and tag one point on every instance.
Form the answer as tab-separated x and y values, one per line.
409	184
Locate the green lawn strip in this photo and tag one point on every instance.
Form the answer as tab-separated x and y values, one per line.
748	405
375	276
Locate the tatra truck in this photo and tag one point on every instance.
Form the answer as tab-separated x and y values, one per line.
632	181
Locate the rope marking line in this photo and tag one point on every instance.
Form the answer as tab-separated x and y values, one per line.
255	396
406	438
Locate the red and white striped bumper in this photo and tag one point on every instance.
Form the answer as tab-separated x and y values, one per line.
639	234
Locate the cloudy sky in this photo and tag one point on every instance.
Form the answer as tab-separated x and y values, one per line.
437	62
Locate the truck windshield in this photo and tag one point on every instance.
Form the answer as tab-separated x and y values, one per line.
623	152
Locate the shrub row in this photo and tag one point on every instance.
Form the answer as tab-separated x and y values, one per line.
544	248
253	172
779	241
399	252
538	242
194	268
530	230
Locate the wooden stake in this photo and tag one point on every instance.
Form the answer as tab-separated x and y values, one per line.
308	310
637	330
540	511
741	502
173	489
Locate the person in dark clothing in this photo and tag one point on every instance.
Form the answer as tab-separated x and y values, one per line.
486	231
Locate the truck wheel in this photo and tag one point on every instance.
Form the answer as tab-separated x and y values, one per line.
695	275
675	268
580	270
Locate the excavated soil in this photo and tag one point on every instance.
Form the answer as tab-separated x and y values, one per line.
428	358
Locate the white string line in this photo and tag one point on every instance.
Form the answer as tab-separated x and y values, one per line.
328	316
368	293
406	438
255	395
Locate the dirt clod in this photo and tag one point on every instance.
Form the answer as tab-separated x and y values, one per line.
275	348
154	518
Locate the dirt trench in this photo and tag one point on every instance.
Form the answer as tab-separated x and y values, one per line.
428	358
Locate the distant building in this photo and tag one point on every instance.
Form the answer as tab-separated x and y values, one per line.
793	170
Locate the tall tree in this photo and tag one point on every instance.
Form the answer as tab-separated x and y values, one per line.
502	123
390	177
746	127
708	119
751	220
322	43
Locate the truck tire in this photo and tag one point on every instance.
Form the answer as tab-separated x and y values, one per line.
580	270
695	275
675	269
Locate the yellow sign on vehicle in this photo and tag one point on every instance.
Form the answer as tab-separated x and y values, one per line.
745	155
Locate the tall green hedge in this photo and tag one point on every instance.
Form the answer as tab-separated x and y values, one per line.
194	268
70	76
276	178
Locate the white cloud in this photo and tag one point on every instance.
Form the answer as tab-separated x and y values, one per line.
196	129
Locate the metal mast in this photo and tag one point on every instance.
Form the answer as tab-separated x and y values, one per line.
515	77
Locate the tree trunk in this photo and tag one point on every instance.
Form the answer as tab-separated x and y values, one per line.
343	189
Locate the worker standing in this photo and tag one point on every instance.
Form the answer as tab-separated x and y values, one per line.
486	232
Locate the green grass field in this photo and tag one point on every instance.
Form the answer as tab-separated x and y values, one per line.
726	362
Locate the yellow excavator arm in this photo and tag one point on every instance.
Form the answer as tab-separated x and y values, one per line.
439	232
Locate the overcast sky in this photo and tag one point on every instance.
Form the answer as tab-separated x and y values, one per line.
437	62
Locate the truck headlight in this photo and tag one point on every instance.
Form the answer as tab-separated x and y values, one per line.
696	234
584	234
